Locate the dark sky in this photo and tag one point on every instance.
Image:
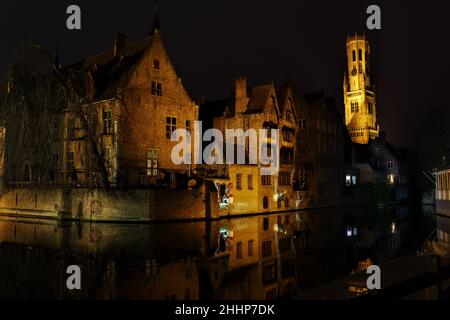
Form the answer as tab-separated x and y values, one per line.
211	42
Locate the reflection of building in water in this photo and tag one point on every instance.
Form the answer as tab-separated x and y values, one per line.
258	257
255	258
320	246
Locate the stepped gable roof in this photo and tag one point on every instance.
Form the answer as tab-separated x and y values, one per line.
108	71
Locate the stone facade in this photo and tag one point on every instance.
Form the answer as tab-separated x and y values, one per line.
134	117
359	92
258	107
319	158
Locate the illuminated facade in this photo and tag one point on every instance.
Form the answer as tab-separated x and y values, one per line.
359	92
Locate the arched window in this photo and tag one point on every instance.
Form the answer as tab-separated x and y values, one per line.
265	202
354	55
360	54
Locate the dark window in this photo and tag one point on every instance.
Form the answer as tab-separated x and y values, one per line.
266	249
266	224
354	55
157	88
287	268
302	124
55	161
250	248
71	129
239	250
56	131
266	180
156	64
250	181
284	245
188	125
107	122
238	181
265	203
359	54
269	274
171	126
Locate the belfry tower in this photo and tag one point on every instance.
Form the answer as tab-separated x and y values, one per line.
359	92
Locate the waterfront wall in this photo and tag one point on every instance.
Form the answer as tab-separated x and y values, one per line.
100	205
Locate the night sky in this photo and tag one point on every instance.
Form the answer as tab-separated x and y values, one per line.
211	42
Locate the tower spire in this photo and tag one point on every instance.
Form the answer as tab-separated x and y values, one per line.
156	25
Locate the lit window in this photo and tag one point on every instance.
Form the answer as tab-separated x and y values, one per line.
349	231
393	227
348	180
390	164
391	178
156	88
354	180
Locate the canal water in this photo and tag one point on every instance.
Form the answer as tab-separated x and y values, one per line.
259	257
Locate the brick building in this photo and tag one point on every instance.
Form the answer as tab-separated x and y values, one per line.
319	158
116	119
256	107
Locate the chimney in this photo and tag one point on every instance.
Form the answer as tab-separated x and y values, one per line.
119	43
241	95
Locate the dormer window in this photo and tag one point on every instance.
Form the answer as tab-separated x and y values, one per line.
156	64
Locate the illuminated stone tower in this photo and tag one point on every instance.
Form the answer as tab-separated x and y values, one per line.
359	92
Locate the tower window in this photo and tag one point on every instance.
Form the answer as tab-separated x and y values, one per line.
354	107
370	108
354	55
359	54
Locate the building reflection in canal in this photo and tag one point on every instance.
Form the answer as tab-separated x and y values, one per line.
257	257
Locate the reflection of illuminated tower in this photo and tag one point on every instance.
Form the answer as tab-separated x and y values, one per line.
359	92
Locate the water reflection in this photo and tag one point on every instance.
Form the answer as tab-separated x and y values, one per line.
258	257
